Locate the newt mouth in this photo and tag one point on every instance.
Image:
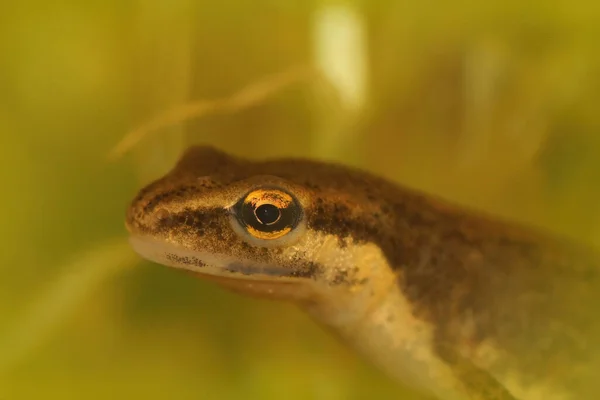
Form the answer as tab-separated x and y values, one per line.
262	281
206	264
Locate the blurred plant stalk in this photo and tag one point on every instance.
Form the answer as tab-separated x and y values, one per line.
340	53
251	95
161	79
82	276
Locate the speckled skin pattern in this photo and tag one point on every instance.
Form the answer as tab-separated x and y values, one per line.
500	297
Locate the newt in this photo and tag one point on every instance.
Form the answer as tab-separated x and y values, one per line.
452	301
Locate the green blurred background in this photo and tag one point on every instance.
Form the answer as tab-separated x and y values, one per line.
491	104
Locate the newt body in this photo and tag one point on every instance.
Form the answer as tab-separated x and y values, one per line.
451	301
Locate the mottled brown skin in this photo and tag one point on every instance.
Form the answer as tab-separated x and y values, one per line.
474	278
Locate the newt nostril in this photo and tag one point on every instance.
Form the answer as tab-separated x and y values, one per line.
161	214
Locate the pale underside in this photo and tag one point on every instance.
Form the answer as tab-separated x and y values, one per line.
376	319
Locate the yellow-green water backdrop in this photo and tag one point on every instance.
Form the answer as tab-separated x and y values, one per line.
492	104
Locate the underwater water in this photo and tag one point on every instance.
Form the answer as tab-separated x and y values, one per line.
492	105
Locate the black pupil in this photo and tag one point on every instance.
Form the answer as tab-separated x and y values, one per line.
267	213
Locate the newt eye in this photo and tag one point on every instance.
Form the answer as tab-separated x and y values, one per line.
268	213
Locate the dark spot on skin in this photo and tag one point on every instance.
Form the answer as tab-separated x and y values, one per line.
340	277
187	260
179	192
474	379
240	269
154	202
347	277
201	223
306	270
275	250
343	242
253	270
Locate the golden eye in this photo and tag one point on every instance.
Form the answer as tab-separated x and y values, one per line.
268	213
